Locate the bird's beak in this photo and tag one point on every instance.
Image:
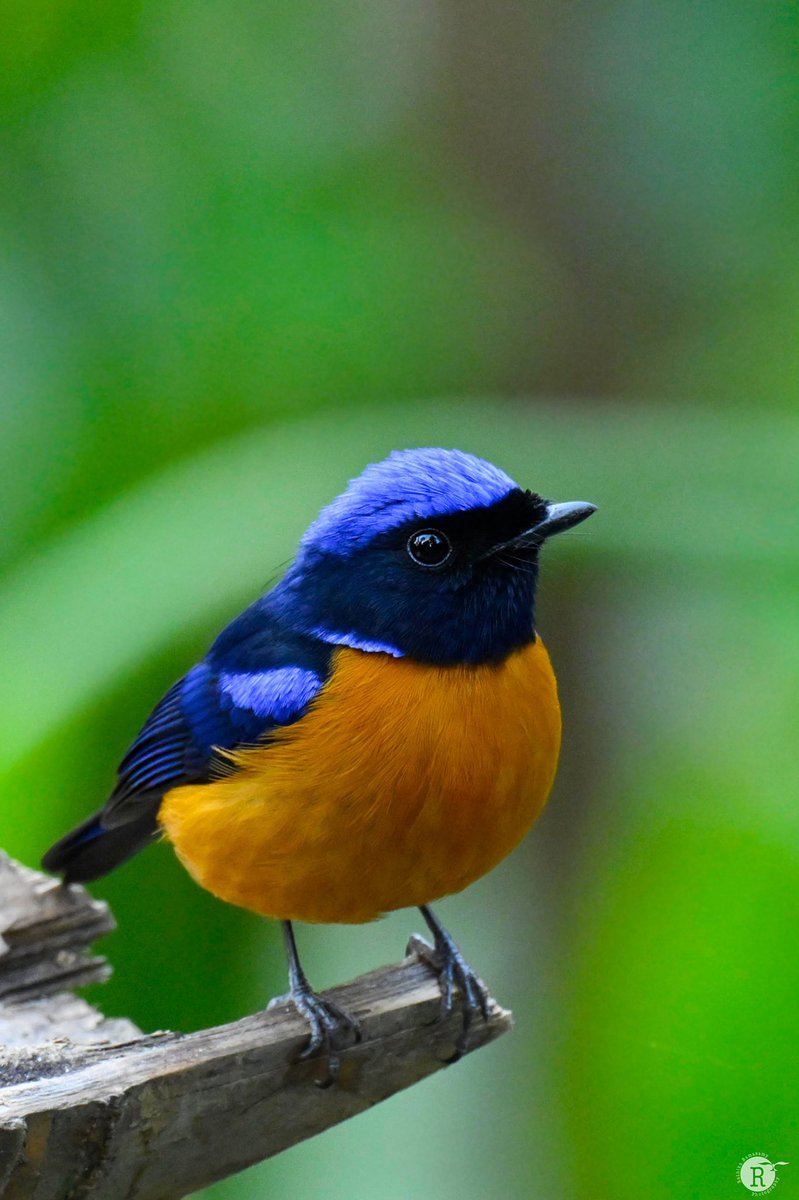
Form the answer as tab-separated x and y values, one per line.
558	518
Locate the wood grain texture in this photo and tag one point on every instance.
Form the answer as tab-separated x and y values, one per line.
45	929
92	1108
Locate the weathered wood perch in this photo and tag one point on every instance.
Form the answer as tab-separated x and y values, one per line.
91	1107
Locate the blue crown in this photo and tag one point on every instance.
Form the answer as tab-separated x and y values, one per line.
408	485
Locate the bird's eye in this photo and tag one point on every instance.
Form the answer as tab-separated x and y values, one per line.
429	547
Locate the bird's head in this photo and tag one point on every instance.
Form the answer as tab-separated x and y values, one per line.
431	554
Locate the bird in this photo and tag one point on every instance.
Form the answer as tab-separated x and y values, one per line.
375	732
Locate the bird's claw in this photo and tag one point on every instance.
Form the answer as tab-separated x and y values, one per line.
326	1021
454	972
473	991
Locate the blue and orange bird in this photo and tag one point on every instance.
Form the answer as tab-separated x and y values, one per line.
376	732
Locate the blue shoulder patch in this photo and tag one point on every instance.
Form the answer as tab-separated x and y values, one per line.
408	485
277	696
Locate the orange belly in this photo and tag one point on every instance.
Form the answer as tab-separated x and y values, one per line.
401	784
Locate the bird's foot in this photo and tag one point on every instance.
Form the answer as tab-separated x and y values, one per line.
454	972
329	1026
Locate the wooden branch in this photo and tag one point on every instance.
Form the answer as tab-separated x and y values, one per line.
93	1108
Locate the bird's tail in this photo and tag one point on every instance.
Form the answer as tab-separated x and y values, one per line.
93	849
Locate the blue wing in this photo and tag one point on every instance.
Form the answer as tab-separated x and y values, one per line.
206	711
255	678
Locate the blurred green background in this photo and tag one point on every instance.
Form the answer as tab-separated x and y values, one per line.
246	248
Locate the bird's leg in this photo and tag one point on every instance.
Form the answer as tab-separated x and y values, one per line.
453	970
325	1018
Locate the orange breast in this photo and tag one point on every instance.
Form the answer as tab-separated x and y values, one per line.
401	784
